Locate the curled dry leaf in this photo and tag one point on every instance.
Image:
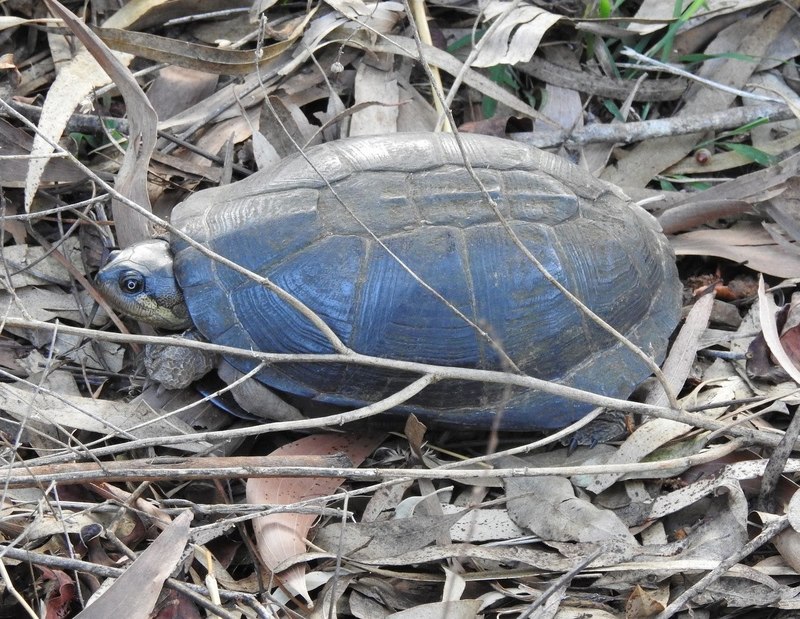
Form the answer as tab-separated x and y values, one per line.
515	33
61	592
761	363
767	311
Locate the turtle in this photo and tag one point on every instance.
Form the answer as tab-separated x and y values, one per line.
394	245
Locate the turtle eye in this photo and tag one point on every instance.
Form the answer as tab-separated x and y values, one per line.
131	282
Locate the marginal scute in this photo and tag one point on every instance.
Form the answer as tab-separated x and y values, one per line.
415	195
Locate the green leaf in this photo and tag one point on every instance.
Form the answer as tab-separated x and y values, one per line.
753	154
614	109
693	58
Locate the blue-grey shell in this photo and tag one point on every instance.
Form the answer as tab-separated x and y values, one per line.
413	192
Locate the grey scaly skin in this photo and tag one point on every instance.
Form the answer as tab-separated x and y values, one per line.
139	282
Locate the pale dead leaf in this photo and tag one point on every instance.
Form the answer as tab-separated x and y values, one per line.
32	265
176	89
144	578
248	584
660	13
767	311
378	86
45	524
748	36
264	153
729	476
280	537
134	12
454	586
131	179
48	303
516	34
14	141
539	559
415	112
377	16
101	416
378	541
237	129
72	84
406	46
747	244
787	543
646	602
549	508
793	511
461	609
9	21
191	55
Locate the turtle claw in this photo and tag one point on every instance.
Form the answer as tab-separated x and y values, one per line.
609	426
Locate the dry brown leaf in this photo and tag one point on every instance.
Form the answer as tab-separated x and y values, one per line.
143	579
280	537
730	476
655	14
14	141
48	303
646	603
377	541
131	179
141	14
31	265
406	46
191	55
376	16
175	90
114	493
538	559
10	21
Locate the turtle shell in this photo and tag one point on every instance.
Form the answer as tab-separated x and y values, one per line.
312	227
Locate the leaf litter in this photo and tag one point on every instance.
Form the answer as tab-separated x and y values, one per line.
417	523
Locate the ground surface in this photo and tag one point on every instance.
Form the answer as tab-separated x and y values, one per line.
691	111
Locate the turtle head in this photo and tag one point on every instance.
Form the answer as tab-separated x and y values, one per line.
139	281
